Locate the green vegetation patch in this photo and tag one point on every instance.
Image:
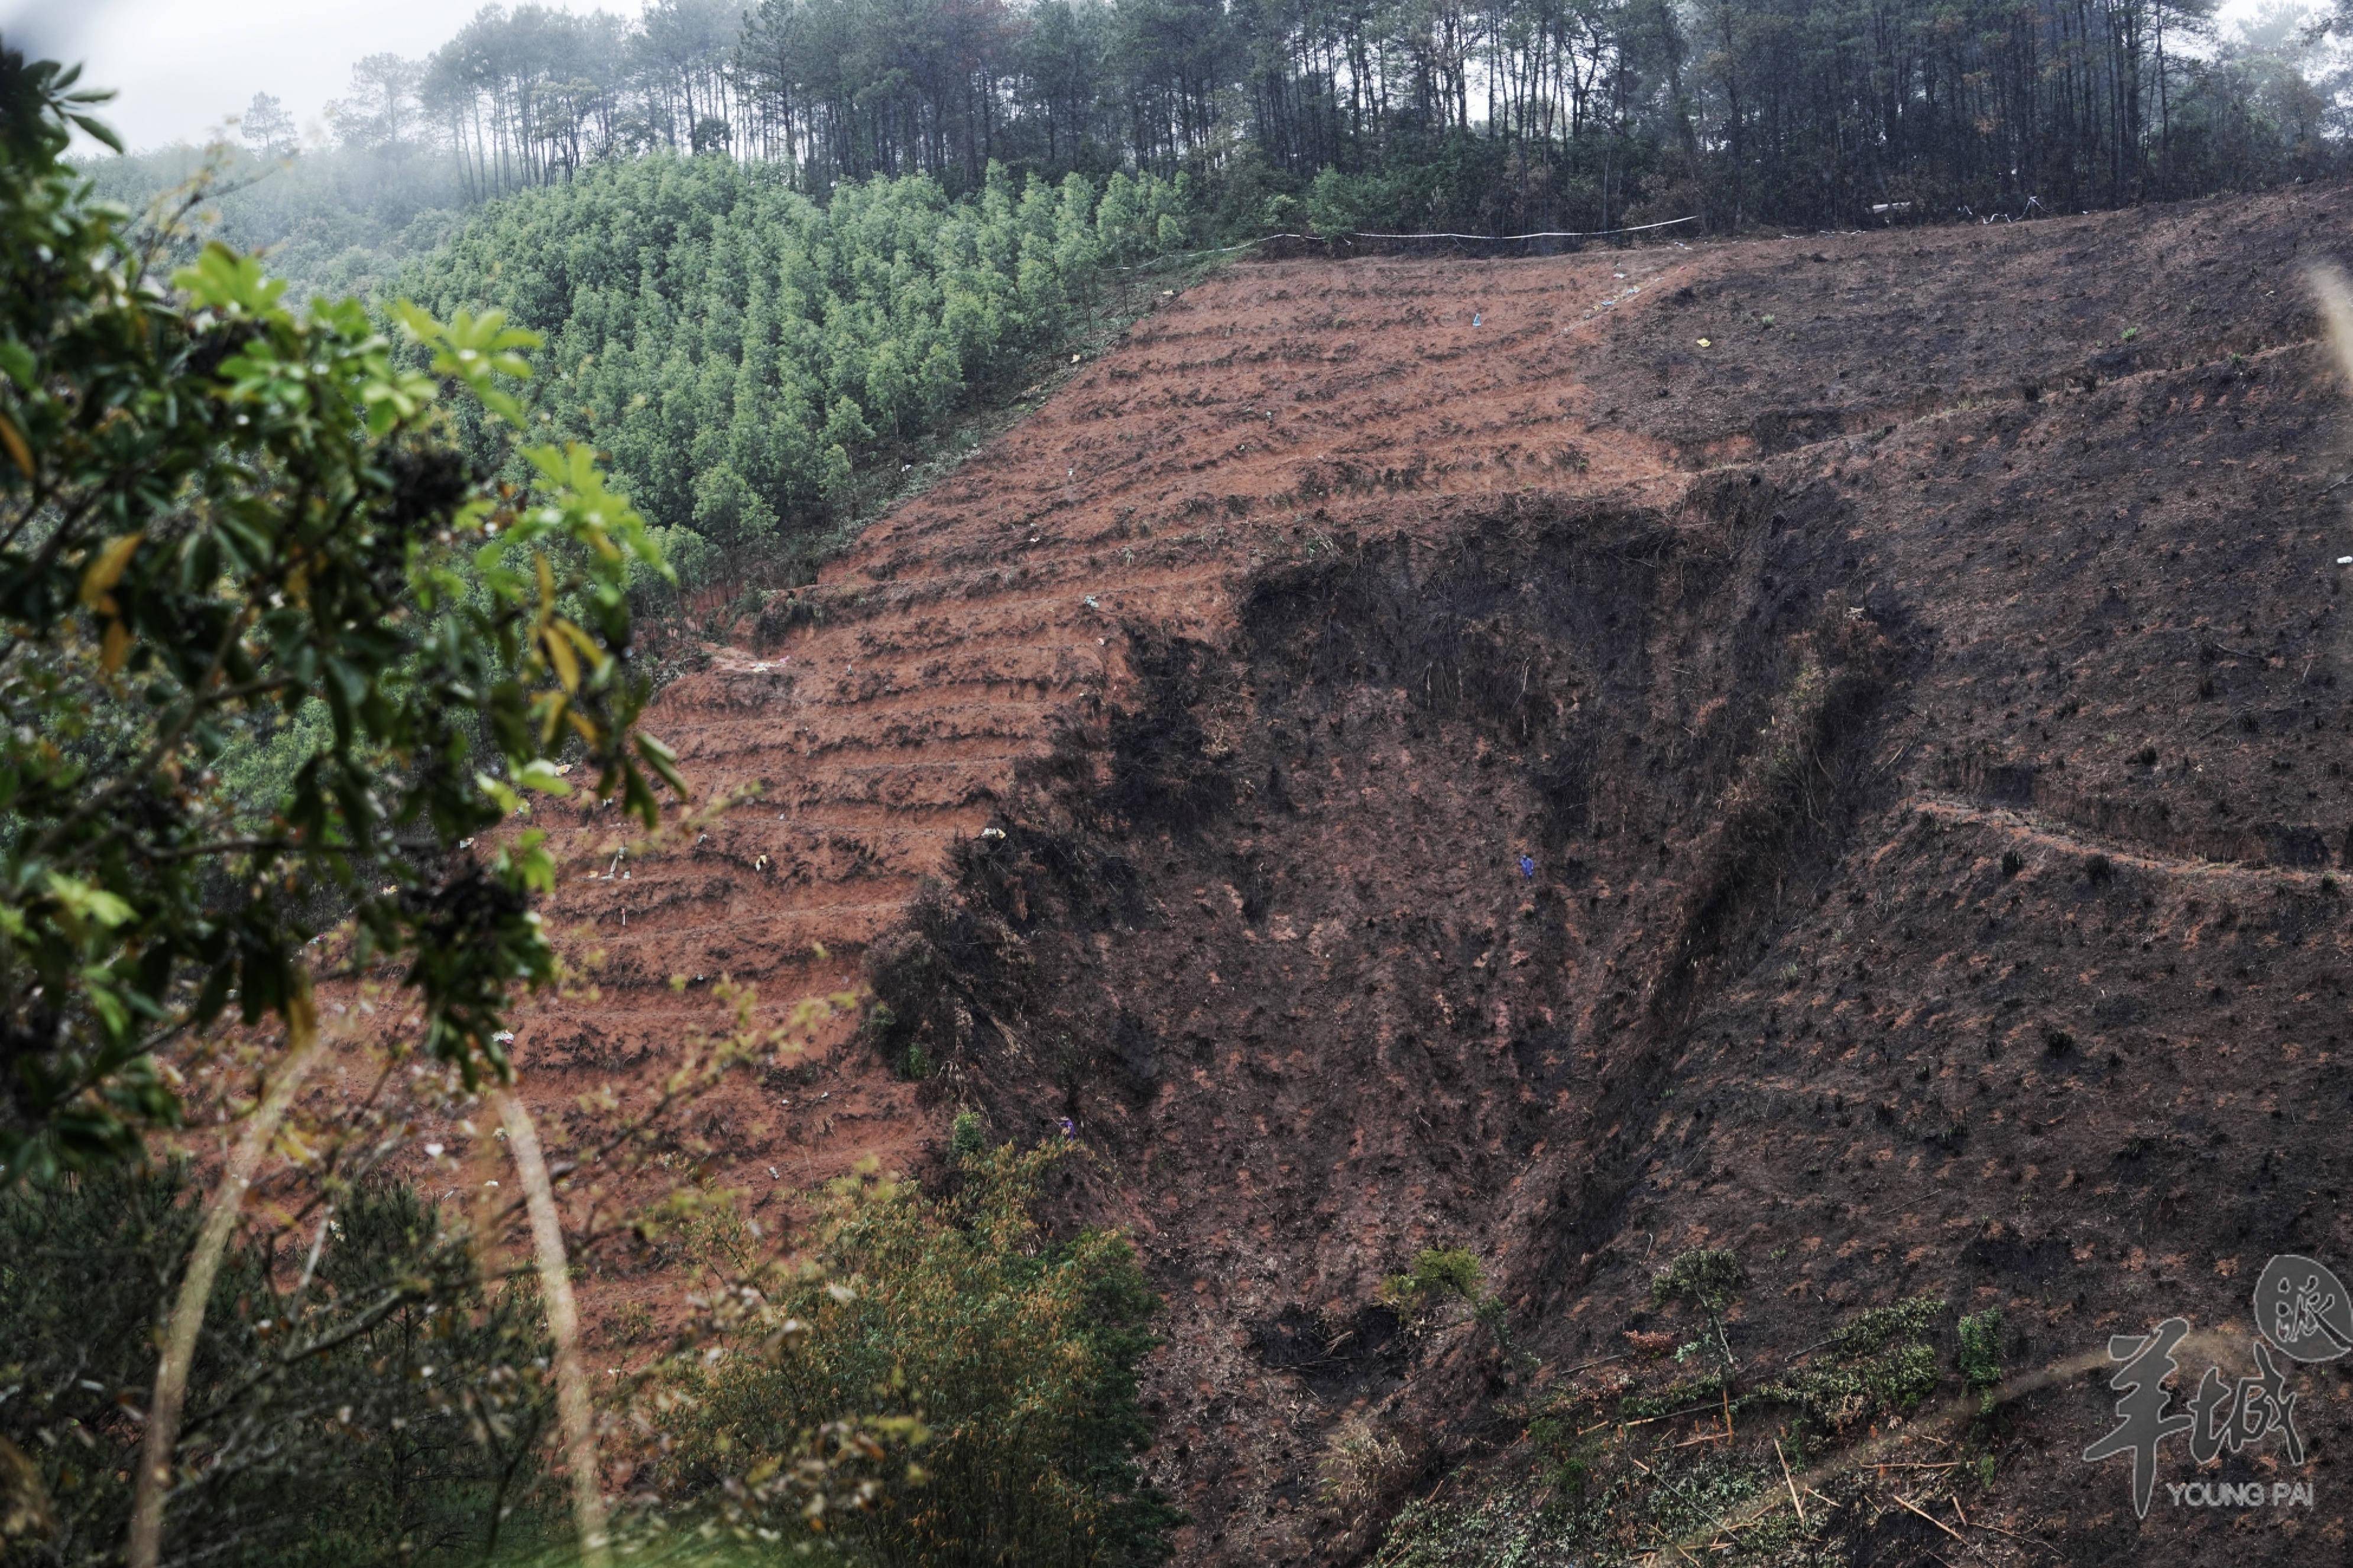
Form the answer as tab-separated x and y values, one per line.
1001	1364
744	353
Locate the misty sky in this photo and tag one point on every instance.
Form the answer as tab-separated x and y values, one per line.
183	65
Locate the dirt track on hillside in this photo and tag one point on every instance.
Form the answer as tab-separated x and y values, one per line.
1918	703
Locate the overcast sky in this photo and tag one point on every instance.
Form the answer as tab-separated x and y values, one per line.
183	65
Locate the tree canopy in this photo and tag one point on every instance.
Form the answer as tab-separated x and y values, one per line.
737	348
277	654
1488	114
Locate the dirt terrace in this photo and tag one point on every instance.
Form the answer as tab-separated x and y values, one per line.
1918	705
878	719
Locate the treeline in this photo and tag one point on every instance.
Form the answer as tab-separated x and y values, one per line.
1823	112
1456	113
744	353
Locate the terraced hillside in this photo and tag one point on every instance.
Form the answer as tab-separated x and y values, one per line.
876	721
1907	663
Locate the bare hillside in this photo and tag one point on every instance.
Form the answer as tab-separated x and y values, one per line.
1908	665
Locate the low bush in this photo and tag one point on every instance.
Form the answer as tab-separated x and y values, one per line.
373	1404
1881	1363
997	1369
1979	1334
1437	1275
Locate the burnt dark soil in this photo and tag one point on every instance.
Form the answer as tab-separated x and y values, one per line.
1919	710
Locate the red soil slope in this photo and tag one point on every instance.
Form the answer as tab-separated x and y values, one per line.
878	719
1909	661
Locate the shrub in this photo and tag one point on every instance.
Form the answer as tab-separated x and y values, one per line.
1980	1354
1708	1278
1437	1275
1003	1364
1359	1466
968	1138
387	1410
1453	1273
1882	1363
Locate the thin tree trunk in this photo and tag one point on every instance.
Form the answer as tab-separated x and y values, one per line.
572	1406
188	1319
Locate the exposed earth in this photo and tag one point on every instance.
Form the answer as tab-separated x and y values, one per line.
1909	664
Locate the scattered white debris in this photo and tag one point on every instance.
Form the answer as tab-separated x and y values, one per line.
2345	561
992	833
1091	605
503	1037
433	1151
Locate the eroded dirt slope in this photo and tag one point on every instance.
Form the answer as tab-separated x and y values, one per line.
1919	710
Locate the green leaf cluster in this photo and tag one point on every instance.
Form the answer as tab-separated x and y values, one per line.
1883	1362
1439	1274
241	541
1010	1359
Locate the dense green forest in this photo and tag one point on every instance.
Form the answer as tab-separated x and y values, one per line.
738	348
1494	116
